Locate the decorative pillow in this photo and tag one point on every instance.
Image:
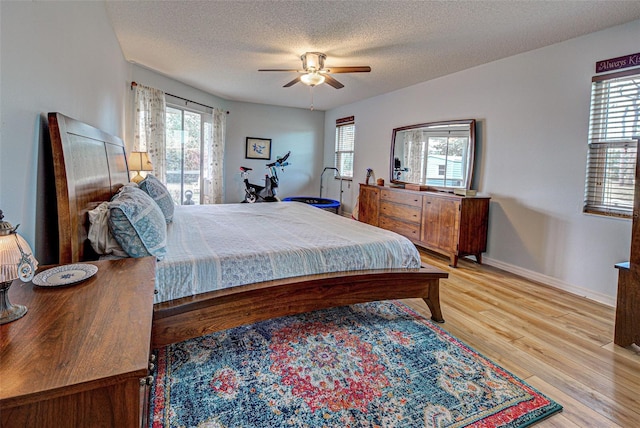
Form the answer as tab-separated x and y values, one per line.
101	238
159	193
127	185
137	223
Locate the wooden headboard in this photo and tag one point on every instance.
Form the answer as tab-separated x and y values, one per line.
89	167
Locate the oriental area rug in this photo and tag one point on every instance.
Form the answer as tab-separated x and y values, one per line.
369	365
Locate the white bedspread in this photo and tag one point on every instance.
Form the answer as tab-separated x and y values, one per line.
210	247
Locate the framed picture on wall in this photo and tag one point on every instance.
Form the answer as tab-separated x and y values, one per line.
258	148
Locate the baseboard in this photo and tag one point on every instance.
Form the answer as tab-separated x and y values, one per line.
551	281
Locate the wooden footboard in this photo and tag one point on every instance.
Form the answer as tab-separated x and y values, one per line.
195	316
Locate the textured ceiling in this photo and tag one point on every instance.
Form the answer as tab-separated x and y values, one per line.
218	46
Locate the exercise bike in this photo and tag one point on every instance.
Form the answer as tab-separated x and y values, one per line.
268	192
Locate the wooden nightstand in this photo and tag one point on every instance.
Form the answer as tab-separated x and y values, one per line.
77	357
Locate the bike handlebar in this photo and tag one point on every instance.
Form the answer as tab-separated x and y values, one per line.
280	161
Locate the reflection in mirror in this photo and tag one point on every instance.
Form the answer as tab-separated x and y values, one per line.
438	154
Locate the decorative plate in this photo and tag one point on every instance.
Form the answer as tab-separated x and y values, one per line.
65	275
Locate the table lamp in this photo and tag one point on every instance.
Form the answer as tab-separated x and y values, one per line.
139	161
16	261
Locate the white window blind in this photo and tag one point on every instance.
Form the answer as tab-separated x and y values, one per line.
345	146
614	130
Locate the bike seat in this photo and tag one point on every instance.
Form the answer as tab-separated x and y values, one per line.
245	169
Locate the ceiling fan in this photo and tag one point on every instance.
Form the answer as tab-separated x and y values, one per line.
316	74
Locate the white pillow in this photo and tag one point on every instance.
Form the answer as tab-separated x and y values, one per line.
101	238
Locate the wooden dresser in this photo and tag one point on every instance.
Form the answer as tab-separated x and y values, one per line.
80	356
449	224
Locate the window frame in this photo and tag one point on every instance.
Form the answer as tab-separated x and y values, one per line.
204	115
340	152
612	149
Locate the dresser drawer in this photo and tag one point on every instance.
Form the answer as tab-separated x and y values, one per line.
401	197
405	212
410	230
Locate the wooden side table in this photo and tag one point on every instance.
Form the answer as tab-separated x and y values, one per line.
627	327
77	357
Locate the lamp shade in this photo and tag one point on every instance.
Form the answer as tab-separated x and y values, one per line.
312	79
14	251
16	261
139	161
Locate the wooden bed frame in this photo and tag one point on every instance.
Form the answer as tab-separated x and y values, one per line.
90	166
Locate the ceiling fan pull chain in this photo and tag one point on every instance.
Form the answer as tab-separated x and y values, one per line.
311	89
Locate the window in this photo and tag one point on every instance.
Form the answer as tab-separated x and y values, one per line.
445	156
614	130
345	144
187	134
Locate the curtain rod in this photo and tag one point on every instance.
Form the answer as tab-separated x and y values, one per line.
134	84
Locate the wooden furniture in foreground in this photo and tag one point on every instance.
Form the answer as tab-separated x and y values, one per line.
627	329
77	358
231	307
90	166
449	224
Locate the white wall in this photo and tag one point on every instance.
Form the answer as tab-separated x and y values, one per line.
64	57
533	112
55	56
150	78
297	130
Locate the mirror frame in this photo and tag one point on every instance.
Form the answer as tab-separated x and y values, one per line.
472	149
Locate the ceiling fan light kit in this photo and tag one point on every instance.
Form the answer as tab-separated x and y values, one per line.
315	73
313	61
312	79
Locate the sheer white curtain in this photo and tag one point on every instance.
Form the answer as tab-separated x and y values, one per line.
149	131
414	149
213	159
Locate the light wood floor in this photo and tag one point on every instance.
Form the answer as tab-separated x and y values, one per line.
559	343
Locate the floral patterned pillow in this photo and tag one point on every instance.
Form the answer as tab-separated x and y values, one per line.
137	223
159	193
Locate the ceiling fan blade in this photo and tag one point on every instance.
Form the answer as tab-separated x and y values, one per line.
333	82
293	82
363	69
282	69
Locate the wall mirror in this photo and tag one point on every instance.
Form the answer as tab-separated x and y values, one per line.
437	154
